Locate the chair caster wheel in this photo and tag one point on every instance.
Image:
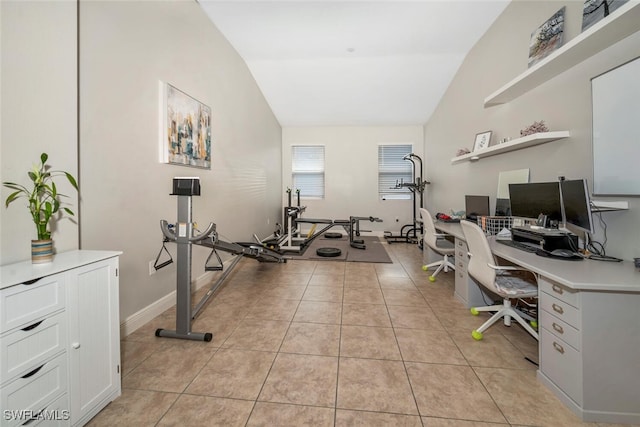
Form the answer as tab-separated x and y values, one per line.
476	335
534	324
432	278
425	268
474	311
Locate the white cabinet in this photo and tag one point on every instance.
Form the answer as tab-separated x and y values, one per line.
59	339
94	338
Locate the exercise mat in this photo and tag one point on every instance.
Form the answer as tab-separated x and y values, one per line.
374	252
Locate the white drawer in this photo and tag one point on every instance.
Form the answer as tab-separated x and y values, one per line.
56	414
560	329
560	309
461	265
562	364
559	291
20	305
27	348
35	390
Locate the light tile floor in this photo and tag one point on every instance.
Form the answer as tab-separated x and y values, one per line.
326	343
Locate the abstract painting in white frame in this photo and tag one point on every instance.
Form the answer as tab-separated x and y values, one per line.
185	137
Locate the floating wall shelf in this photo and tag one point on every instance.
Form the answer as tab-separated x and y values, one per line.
516	144
620	24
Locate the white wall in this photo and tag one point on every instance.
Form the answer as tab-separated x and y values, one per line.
125	49
351	172
39	113
563	102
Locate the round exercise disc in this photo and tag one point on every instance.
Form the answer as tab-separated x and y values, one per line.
328	252
332	235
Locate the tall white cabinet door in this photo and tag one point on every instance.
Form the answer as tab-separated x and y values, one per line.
94	338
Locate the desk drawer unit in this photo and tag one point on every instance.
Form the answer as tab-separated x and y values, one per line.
560	337
462	277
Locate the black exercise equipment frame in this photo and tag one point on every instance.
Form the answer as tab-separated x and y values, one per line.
409	232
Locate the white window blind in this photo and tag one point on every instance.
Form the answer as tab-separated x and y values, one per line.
392	169
307	168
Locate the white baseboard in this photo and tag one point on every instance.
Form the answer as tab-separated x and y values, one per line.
138	319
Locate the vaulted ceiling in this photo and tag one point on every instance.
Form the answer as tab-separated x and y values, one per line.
353	63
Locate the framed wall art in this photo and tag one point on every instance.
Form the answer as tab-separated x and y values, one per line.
547	37
594	11
482	140
185	137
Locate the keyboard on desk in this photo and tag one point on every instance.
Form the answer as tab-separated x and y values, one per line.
529	247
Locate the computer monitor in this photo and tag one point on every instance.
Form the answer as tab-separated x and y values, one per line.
532	199
577	206
502	207
475	206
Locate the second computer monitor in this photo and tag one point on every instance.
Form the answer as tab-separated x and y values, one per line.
533	199
475	206
577	206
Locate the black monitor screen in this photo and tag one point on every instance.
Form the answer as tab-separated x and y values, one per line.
502	207
475	206
532	199
577	209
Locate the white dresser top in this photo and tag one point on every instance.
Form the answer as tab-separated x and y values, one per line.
24	271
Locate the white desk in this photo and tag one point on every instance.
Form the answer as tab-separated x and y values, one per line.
589	324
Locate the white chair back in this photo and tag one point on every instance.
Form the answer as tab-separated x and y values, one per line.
429	228
481	256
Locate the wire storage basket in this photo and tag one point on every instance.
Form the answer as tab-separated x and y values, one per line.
492	225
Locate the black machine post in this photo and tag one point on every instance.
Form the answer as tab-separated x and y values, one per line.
409	232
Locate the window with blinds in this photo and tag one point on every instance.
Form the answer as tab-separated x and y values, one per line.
393	169
307	170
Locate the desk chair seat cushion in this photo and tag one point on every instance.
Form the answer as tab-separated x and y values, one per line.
516	283
445	245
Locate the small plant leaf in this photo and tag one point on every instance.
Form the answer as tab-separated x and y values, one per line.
12	197
44	157
72	180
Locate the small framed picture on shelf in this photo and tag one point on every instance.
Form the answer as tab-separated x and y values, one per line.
482	140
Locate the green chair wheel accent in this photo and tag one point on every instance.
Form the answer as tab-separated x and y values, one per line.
432	278
474	311
425	268
534	324
476	335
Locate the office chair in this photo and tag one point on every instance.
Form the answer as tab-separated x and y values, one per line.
438	244
508	282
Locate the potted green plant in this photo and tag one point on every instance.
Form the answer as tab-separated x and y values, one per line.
44	203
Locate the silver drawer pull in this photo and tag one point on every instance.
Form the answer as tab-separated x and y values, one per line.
558	328
558	347
557	308
557	289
